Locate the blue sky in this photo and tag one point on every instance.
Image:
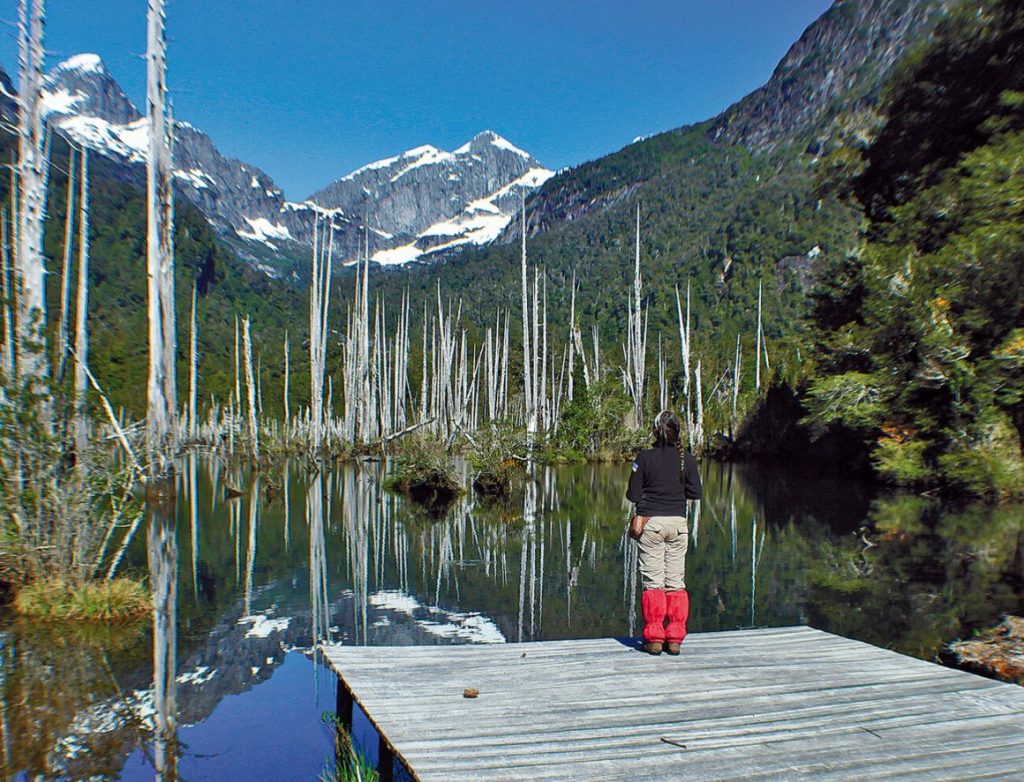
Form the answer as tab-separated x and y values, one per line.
309	90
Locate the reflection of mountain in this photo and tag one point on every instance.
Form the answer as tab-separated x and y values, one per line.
239	653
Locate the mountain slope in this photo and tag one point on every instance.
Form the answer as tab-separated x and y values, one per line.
841	61
723	202
920	339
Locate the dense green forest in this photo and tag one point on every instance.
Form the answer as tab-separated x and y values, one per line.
920	333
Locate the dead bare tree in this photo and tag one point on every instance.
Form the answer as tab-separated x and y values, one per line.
162	382
31	356
531	410
82	311
193	369
60	357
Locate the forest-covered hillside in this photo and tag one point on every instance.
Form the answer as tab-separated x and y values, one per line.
721	208
725	204
920	333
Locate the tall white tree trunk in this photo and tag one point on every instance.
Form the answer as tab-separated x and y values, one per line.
684	348
531	412
82	311
757	368
735	384
250	391
316	387
32	170
286	372
639	335
60	357
161	386
8	298
193	369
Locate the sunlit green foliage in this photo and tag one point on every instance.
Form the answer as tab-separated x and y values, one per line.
920	337
593	426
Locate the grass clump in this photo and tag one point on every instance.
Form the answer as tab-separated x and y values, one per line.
348	764
119	599
425	472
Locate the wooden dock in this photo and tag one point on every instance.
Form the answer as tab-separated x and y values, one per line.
778	704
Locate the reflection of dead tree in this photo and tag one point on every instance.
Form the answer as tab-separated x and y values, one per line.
320	610
250	552
163	574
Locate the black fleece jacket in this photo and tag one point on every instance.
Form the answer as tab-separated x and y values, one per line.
661	482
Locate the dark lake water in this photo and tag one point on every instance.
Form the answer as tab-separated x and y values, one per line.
261	578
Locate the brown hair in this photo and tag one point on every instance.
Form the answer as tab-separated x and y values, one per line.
667	429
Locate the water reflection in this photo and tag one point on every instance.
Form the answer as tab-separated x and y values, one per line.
299	559
162	550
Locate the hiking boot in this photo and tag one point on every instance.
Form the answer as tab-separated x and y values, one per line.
671	648
654	647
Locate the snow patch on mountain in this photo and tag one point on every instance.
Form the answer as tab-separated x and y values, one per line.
484	219
502	143
385	163
125	141
85	62
431	156
396	256
195	177
60	101
264	231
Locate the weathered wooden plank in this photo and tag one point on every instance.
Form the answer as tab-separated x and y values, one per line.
699	732
643	711
624	708
798	758
767	704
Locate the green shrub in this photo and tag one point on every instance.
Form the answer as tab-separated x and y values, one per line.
497	462
424	470
594	427
990	468
902	461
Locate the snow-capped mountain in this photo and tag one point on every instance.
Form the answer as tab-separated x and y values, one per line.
428	199
422	201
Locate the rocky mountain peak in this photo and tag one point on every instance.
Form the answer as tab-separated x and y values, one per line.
483	142
82	86
414	191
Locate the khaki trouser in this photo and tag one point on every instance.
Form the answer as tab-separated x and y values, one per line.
663	553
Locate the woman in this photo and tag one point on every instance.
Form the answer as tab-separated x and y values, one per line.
664	478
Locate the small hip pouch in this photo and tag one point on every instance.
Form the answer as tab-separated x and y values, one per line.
636	526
